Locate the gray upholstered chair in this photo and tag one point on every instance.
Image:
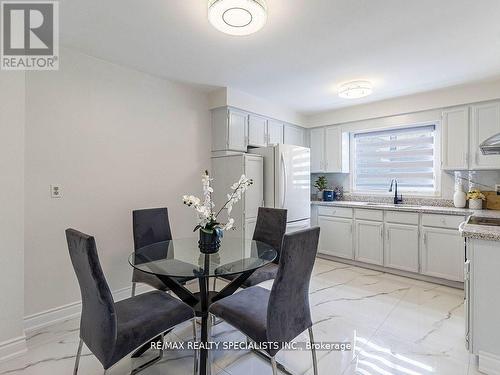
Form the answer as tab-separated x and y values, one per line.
150	226
270	229
113	330
281	314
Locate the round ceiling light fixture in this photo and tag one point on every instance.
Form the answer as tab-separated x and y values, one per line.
355	89
237	17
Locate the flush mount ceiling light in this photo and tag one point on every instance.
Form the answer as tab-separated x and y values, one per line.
355	89
237	17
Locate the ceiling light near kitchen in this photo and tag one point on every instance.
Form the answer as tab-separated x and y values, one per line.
355	89
237	17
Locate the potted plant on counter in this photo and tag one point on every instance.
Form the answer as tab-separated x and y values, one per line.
211	230
475	198
321	184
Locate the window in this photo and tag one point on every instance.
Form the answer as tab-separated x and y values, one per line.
408	154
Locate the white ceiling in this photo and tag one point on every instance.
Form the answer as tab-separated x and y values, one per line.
305	50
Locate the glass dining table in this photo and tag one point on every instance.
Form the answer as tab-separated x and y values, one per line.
181	259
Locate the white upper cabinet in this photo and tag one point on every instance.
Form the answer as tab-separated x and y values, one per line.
275	132
485	122
317	150
257	131
455	136
237	130
229	130
294	135
333	149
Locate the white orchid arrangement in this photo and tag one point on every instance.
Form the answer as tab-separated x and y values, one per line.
207	218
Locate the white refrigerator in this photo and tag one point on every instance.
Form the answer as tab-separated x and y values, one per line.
287	182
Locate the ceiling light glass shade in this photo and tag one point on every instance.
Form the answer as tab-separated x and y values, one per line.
237	17
355	89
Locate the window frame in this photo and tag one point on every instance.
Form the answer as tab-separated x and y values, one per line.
410	193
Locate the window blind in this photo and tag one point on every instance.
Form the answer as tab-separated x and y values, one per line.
407	154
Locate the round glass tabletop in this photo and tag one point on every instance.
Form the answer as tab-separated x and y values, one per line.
182	258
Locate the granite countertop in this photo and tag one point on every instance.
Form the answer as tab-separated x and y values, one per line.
481	232
399	207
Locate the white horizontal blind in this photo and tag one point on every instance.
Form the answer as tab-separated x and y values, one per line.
407	154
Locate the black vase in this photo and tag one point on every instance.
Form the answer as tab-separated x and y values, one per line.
209	243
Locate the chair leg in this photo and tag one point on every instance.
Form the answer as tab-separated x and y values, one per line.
275	367
215	283
162	338
133	289
195	371
78	354
209	339
313	352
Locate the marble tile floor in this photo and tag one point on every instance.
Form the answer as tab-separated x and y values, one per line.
395	325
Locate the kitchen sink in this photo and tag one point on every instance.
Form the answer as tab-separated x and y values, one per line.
389	205
491	221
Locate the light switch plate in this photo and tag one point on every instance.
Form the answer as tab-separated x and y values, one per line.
55	191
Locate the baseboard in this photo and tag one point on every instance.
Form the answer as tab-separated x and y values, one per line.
489	363
72	310
13	348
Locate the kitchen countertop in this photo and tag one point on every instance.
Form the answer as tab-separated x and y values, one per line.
399	207
481	232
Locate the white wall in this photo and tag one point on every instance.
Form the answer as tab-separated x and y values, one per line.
116	140
447	97
12	86
230	97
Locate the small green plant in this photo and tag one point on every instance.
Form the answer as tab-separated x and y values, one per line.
321	183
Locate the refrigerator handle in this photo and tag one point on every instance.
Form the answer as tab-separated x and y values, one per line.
284	180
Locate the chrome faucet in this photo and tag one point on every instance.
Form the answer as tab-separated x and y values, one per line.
397	200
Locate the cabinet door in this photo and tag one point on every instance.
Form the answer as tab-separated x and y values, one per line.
485	123
442	253
336	236
254	197
237	130
333	149
317	149
257	126
401	247
293	136
275	132
250	228
369	242
455	135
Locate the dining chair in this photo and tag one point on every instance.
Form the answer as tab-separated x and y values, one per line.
112	330
282	313
270	229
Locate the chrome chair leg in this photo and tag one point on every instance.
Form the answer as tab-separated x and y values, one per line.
162	338
313	352
275	367
133	289
78	354
195	371
215	283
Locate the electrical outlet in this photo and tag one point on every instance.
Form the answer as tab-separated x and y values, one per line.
55	191
497	189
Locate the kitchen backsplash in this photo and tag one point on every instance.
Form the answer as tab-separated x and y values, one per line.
482	180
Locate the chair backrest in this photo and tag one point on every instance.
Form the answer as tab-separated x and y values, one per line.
150	226
270	228
98	320
288	313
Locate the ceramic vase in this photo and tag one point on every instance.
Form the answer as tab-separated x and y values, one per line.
459	198
209	242
476	204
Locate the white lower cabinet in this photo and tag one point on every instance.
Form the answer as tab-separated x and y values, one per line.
369	242
401	247
442	253
336	236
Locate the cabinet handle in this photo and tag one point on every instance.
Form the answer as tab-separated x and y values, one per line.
425	239
381	233
388	235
